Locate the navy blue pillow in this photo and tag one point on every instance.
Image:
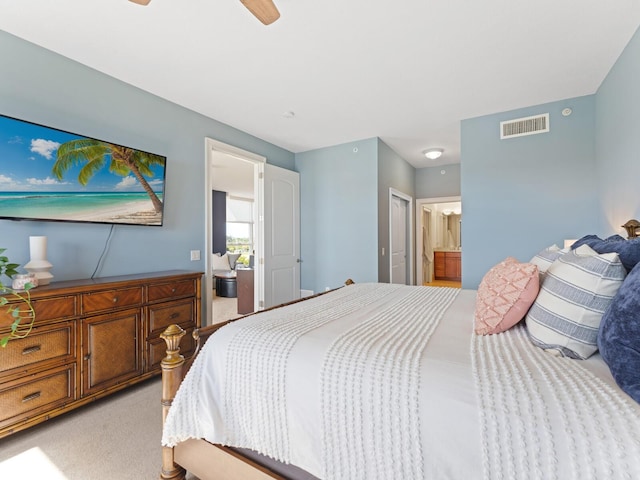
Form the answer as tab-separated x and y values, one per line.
619	335
586	240
627	250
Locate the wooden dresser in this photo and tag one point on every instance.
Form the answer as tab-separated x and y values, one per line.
92	338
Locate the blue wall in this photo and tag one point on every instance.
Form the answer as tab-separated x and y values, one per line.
523	194
618	140
43	87
393	172
432	183
339	214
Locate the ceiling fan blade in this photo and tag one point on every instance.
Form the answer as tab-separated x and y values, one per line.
263	10
141	2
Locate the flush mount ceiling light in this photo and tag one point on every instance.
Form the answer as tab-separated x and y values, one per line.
433	153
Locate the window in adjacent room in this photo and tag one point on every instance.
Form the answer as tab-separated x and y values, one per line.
240	227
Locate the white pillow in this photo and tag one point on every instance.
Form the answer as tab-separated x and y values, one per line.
220	262
545	258
575	292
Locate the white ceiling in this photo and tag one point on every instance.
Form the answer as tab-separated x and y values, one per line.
406	71
232	175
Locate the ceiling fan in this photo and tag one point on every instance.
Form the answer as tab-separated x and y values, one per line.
263	10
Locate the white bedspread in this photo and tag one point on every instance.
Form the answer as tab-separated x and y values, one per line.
485	407
546	417
331	384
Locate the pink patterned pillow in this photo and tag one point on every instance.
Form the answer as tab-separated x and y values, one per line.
505	295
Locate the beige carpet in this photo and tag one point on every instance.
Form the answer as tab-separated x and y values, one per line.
116	438
224	308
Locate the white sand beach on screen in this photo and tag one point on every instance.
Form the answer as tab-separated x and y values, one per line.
141	212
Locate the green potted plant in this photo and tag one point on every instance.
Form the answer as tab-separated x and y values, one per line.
22	313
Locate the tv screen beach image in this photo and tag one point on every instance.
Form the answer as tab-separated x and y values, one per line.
49	174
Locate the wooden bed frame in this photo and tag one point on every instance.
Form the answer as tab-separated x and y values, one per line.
205	460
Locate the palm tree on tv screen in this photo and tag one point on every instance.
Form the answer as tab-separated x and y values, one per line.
94	154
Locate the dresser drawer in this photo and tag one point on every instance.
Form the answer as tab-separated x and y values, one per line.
44	344
45	308
59	307
165	291
110	299
162	315
38	394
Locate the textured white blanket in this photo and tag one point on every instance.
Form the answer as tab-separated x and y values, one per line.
364	346
545	417
370	386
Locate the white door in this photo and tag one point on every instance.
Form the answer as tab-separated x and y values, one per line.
398	240
281	235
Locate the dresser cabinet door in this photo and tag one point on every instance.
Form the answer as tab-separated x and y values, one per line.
111	349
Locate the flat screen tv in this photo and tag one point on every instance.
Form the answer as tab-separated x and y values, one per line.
53	175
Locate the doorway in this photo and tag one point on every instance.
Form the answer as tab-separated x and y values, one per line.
438	241
276	223
238	173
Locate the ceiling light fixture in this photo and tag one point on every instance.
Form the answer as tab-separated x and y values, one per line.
433	153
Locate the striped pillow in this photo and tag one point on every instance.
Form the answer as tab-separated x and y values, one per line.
575	292
545	258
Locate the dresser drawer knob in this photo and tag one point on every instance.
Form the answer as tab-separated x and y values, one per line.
31	349
115	299
30	397
173	290
174	315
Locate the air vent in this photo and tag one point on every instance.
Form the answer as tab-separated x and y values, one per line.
524	126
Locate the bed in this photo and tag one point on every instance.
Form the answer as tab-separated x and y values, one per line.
387	381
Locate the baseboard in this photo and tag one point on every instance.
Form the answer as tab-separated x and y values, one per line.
306	293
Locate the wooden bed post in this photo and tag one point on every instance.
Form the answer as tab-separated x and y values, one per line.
172	366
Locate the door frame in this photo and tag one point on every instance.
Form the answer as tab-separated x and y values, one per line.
408	234
419	204
259	162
